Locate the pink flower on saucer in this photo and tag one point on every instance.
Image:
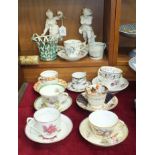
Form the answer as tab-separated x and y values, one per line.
50	129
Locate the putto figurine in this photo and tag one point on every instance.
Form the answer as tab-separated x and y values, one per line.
51	24
86	29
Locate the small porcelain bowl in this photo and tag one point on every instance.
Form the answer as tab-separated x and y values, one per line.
102	122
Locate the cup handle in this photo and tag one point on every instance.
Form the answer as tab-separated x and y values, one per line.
28	119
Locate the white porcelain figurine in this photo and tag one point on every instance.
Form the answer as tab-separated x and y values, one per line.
51	24
86	29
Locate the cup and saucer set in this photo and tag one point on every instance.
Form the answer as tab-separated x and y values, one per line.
96	97
79	82
73	50
103	128
48	125
112	78
52	92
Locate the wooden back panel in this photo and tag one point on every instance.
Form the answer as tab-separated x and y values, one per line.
32	19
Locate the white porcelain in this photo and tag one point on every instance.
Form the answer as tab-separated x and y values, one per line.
39	104
53	93
96	95
96	50
83	103
110	74
46	122
80	88
66	126
73	47
121	85
83	53
119	134
102	122
79	80
48	75
132	63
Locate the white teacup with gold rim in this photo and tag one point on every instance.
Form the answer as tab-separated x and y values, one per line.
102	122
47	122
111	75
96	95
53	93
48	75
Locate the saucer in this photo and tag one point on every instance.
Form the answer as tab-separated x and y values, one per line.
66	128
71	88
39	84
118	135
123	84
38	104
62	54
132	63
83	103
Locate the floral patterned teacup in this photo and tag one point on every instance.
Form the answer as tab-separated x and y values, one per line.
96	95
48	76
102	122
46	122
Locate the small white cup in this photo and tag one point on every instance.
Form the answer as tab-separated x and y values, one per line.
73	47
102	122
96	50
47	122
48	76
53	93
79	80
96	95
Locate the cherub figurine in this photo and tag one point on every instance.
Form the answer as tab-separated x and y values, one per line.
86	29
51	24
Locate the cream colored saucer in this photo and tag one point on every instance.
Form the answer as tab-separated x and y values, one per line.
83	103
123	84
119	134
38	104
39	84
62	54
66	128
71	88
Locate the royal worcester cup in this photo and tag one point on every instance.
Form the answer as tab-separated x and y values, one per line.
96	50
66	126
102	122
53	93
46	122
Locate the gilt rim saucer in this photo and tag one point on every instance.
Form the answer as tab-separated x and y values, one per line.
63	55
122	85
118	135
86	106
66	128
38	104
71	88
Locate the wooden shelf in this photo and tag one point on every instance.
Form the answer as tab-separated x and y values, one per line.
60	63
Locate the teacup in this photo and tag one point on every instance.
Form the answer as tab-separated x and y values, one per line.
96	95
73	47
96	50
46	122
79	80
53	93
102	122
48	76
109	74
